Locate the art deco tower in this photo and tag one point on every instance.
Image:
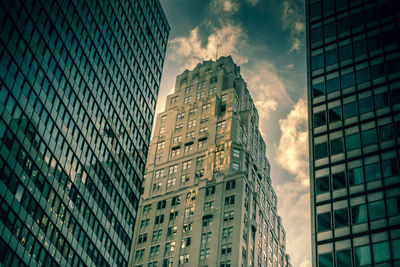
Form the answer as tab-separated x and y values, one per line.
354	126
208	199
78	88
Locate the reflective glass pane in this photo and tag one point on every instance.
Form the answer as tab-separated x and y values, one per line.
316	35
396	249
381	100
366	105
319	119
339	180
389	167
325	260
381	252
360	47
341	218
322	185
347	80
337	146
362	75
317	62
350	110
385	132
343	258
345	52
362	255
377	71
335	114
353	141
331	57
356	176
376	210
318	89
324	221
332	85
330	29
321	151
369	137
372	172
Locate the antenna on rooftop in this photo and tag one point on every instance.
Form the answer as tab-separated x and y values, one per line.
216	53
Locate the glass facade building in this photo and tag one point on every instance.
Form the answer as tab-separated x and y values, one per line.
354	131
78	88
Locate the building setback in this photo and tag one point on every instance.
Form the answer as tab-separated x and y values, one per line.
354	131
208	199
78	88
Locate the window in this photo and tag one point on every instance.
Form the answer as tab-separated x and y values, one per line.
139	254
171	231
335	114
369	137
159	173
144	223
180	116
186	242
343	258
204	254
349	110
184	258
337	146
339	180
190	134
318	89
161	145
321	150
164	118
236	153
324	221
220	125
359	214
191	123
188	99
381	252
206	106
157	186
200	95
156	235
210	190
178	127
372	172
224	97
188	89
356	176
175	151
185	178
365	105
325	260
176	201
207	219
205	237
199	173
322	185
146	209
174	99
159	219
187	227
142	238
235	166
385	132
353	141
347	80
192	111
230	200
154	251
319	119
214	79
173	215
187	164
229	215
203	130
202	142
209	205
161	204
226	248
177	138
204	119
362	255
173	169
332	85
376	210
169	247
152	264
341	218
227	232
225	263
162	130
188	147
230	185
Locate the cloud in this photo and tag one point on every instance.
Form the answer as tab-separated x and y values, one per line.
189	51
293	21
294	208
292	151
228	6
267	90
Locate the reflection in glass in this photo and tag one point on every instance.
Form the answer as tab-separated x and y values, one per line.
362	255
381	252
356	176
372	172
343	258
322	185
339	180
325	260
341	218
324	221
353	141
335	114
376	210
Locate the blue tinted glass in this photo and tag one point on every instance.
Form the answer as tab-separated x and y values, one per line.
343	258
366	104
345	52
376	210
347	80
321	151
359	214
332	85
372	172
331	57
322	185
325	260
369	137
319	119
353	141
350	110
356	176
341	218
318	89
316	35
362	75
335	114
362	255
317	62
337	146
324	222
381	252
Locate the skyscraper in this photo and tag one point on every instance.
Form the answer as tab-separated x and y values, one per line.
354	131
208	199
78	88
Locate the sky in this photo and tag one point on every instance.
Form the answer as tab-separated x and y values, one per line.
266	38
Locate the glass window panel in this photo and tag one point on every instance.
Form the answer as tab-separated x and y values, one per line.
350	110
316	35
332	85
335	114
337	146
331	57
369	137
357	19
322	185
381	252
373	42
344	25
353	141
372	172
381	100
325	260
339	180
377	71
319	119
318	89
317	62
396	249
362	255
360	47
362	75
356	176
347	80
345	52
390	167
366	104
341	218
324	221
321	151
359	214
385	132
330	29
329	6
315	9
376	210
343	258
393	206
